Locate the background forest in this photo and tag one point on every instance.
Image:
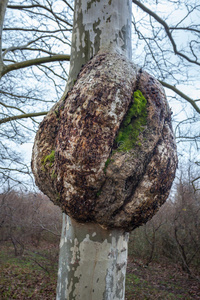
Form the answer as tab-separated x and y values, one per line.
164	260
35	39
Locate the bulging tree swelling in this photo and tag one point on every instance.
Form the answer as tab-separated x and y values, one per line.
94	158
105	153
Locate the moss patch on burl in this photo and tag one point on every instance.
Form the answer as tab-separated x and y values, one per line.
133	124
53	175
49	158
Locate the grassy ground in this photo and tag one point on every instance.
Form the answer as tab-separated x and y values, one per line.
34	275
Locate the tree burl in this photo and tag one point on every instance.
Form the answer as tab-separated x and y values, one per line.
107	153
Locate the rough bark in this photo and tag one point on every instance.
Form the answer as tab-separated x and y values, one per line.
80	135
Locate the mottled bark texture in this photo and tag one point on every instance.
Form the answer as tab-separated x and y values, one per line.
104	25
77	161
92	262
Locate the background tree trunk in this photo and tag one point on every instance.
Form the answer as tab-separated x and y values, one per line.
3	5
92	263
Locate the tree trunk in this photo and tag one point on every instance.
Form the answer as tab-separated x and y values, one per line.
99	26
92	262
3	5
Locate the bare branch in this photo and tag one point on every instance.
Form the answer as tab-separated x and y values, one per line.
15	170
23	116
35	30
25	46
11	106
177	91
193	184
26	8
35	62
167	30
185	28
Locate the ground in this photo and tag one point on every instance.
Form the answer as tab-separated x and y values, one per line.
161	281
33	276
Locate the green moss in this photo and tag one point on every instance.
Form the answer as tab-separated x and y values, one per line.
107	162
53	175
49	158
133	124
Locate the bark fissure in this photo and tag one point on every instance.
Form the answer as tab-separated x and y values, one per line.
134	186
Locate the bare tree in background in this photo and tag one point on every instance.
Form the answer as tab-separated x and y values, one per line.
174	232
35	47
25	216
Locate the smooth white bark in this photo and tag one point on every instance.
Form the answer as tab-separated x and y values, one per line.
92	262
99	25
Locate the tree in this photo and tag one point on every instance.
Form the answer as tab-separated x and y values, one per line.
136	3
105	153
92	259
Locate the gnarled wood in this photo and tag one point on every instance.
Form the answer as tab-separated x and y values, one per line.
75	142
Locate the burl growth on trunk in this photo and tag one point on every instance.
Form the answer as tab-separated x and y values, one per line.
107	153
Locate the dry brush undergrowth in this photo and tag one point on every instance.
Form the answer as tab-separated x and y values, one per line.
164	259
